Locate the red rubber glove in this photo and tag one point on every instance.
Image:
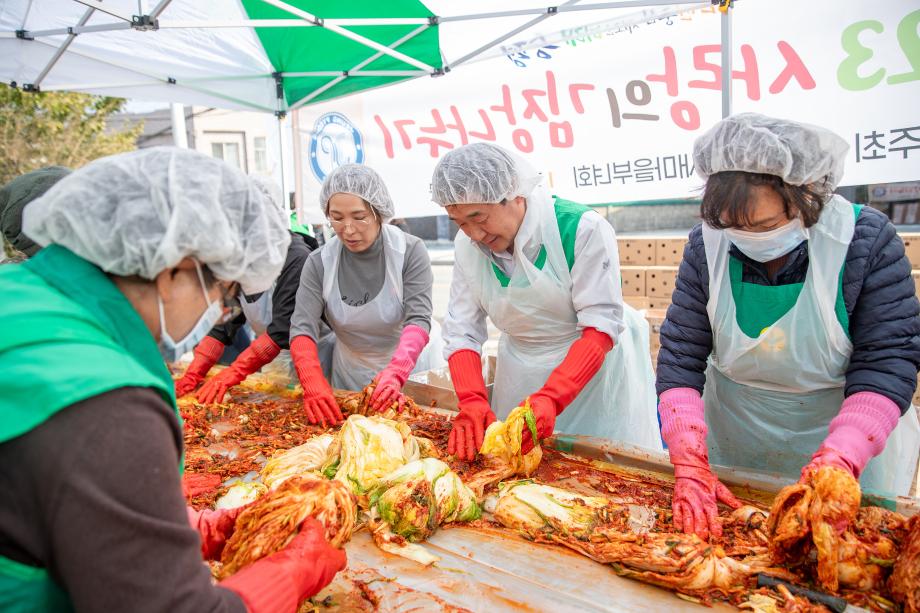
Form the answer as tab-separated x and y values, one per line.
259	353
697	491
281	581
206	353
584	358
857	434
214	528
391	379
318	400
469	426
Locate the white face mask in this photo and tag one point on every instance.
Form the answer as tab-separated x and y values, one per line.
767	246
173	350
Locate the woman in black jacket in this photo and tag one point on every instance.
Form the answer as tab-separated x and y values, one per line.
794	323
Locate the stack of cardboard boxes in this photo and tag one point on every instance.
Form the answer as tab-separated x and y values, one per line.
648	266
649	269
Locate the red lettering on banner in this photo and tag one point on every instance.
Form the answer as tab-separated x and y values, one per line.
435	144
795	67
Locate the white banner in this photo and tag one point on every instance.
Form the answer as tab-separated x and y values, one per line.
611	118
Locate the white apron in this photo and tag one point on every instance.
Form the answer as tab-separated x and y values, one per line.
366	336
259	315
769	400
539	324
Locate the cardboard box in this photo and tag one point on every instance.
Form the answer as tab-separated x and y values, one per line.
633	280
916	276
655	319
669	251
659	281
912	247
661	304
636	252
640	303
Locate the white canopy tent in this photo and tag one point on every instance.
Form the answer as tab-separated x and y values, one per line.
276	56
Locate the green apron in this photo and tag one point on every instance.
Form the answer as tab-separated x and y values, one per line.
67	334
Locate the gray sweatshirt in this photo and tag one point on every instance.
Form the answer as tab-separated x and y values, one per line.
361	276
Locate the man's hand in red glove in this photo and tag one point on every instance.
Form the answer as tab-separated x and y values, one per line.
259	353
584	358
281	581
469	426
544	413
214	527
318	400
206	353
697	491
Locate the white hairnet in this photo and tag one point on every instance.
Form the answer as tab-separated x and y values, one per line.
141	213
361	181
270	189
798	153
481	173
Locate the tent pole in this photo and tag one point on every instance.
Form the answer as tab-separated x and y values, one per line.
505	37
62	49
726	48
298	163
281	161
180	132
560	9
158	9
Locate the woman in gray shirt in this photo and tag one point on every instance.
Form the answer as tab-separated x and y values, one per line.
372	285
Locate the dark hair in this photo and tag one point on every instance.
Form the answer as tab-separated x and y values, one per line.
727	198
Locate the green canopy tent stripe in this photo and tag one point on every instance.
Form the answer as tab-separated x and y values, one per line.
319	49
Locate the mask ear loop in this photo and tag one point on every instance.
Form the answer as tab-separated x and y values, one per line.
163	332
204	289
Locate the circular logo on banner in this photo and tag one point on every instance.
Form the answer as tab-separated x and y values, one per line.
335	141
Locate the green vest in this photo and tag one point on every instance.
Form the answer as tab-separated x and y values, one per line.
66	334
298	227
568	215
757	307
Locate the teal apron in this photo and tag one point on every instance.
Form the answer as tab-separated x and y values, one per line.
66	334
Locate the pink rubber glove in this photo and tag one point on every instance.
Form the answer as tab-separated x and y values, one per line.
214	528
318	400
697	491
584	358
206	353
857	434
280	582
468	428
259	353
391	379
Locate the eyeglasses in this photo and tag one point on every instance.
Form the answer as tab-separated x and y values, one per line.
341	224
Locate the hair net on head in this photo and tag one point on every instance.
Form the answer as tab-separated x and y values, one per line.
270	189
481	173
798	153
141	213
361	181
